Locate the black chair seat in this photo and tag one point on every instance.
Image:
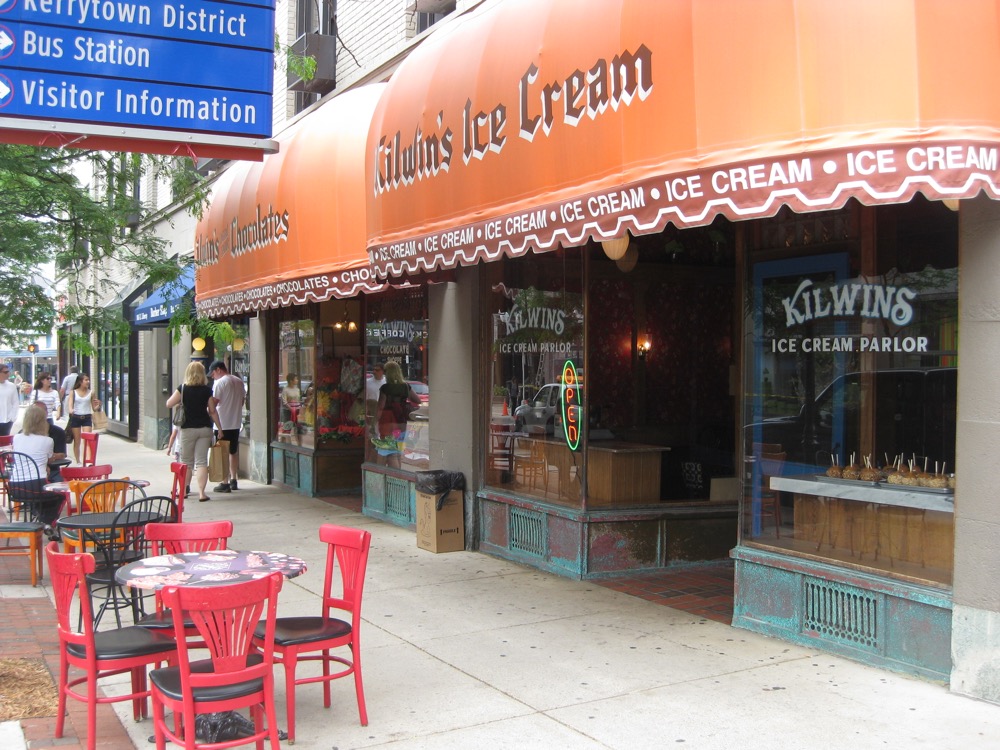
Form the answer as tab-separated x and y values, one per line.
25	527
125	643
168	680
162	621
292	631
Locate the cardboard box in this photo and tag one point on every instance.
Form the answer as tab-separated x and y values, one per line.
441	530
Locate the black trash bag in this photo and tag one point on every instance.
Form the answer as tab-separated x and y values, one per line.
439	482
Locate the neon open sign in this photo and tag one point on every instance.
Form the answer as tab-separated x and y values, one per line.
572	405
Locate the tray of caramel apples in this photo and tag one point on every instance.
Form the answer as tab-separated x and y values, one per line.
897	474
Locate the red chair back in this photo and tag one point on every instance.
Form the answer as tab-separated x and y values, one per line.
6	441
347	551
179	488
89	447
97	471
174	538
242	667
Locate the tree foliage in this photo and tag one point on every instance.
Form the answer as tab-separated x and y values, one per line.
80	212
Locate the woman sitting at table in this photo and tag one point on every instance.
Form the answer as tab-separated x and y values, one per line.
82	402
196	429
33	440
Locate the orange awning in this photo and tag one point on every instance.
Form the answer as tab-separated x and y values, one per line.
537	123
291	229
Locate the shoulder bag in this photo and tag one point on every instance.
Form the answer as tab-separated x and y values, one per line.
179	415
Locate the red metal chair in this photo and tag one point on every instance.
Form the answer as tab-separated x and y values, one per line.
347	549
81	473
237	675
97	654
174	538
90	447
179	488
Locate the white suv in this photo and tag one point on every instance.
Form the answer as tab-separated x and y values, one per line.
542	413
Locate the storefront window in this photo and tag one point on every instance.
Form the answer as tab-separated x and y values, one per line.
397	332
297	386
538	389
239	365
850	402
112	376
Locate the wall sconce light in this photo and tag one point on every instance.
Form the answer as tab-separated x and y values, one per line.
643	347
198	344
345	323
616	248
951	204
238	345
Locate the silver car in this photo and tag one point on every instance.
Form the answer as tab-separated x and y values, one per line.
542	413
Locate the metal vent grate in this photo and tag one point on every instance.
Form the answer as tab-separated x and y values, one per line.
842	613
397	498
526	531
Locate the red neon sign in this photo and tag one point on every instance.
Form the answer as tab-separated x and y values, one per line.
572	405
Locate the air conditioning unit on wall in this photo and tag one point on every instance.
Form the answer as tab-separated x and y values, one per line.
323	49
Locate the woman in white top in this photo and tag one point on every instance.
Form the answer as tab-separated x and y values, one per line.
47	396
34	441
82	403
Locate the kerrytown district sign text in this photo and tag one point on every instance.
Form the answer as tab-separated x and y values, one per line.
201	66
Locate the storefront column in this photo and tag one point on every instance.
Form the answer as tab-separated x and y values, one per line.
454	326
975	619
255	461
156	385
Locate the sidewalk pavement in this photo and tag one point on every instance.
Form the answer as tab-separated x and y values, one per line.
464	650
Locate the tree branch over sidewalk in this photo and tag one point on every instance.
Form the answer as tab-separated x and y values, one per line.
82	212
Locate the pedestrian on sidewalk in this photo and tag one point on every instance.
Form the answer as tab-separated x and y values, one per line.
68	383
200	414
230	394
82	403
10	401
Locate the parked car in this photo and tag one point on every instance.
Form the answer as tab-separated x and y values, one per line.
424	394
541	413
914	415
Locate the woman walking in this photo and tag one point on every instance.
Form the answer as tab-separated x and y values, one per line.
196	429
82	402
47	396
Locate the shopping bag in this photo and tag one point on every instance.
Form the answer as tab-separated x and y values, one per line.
218	455
100	420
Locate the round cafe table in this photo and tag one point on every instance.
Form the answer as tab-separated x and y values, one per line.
211	568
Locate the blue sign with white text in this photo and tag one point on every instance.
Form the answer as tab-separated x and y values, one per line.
49	49
212	22
203	66
137	103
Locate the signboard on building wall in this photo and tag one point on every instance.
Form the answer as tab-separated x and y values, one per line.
156	69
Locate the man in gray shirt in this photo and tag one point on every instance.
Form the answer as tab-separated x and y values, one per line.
231	394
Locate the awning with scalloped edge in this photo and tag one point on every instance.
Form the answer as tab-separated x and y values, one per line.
291	229
530	124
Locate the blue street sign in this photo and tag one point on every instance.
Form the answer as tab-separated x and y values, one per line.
199	65
137	103
193	21
49	49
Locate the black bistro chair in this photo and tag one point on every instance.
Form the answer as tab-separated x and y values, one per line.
122	543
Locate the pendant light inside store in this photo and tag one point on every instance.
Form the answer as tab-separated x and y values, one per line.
615	248
345	323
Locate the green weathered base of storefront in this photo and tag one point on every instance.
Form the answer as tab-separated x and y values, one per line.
389	495
897	625
602	543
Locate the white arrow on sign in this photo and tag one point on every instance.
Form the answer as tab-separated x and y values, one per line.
4	90
5	41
